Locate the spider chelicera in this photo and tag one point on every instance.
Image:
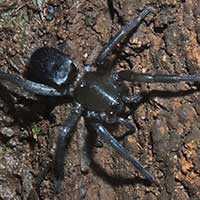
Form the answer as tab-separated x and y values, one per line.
98	94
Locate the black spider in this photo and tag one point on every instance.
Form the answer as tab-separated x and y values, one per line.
100	95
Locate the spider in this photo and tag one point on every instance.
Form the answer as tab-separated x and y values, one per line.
98	93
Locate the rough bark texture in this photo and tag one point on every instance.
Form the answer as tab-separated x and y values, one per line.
168	136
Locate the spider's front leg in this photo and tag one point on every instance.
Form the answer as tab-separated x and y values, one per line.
121	36
127	75
109	139
63	135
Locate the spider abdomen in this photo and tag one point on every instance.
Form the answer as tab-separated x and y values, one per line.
99	92
51	67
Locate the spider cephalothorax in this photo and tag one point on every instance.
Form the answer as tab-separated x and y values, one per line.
100	96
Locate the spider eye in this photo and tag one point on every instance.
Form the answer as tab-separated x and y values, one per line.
51	67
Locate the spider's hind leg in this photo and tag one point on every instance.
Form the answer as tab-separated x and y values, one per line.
110	140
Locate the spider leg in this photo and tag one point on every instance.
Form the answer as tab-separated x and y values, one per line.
30	86
121	36
63	135
129	125
135	99
131	76
104	118
83	146
109	139
124	122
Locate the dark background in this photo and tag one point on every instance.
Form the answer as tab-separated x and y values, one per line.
168	138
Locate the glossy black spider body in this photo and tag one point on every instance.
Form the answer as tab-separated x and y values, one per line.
100	96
